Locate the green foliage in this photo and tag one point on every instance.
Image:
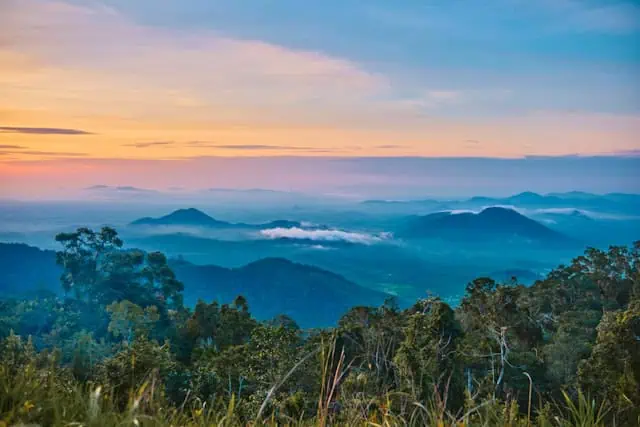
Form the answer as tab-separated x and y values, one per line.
570	343
81	257
212	326
143	360
501	339
86	353
130	321
508	355
584	412
99	272
426	359
612	371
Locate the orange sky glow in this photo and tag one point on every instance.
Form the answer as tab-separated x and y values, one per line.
85	80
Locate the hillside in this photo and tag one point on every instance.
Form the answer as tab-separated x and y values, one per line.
392	266
26	269
272	286
313	296
491	223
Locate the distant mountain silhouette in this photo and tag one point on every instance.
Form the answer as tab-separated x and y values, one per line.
526	198
576	195
611	202
491	223
572	214
313	296
614	202
195	217
190	216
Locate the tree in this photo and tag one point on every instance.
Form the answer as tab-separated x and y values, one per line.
99	272
282	320
570	343
272	352
501	339
83	250
613	370
612	272
371	337
128	369
131	321
158	276
213	327
426	358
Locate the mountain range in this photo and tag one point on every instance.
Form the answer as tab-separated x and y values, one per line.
272	286
577	199
611	202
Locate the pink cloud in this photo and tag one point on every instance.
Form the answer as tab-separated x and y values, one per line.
92	57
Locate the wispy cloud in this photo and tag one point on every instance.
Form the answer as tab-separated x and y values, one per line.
266	147
149	144
41	153
123	188
11	147
443	100
170	74
473	144
239	147
261	147
389	146
43	131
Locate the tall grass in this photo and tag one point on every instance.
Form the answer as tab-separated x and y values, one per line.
49	396
91	408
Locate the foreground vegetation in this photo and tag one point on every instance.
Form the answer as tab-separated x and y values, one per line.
120	348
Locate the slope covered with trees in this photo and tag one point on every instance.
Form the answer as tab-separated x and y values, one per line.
121	347
313	296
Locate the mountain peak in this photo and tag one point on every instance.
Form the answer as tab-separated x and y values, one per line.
500	212
490	223
186	216
195	217
527	195
188	213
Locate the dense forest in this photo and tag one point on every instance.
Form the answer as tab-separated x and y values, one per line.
119	346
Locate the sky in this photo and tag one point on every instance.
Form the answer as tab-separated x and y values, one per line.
147	92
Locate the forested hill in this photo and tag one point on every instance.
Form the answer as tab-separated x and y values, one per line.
273	286
26	269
